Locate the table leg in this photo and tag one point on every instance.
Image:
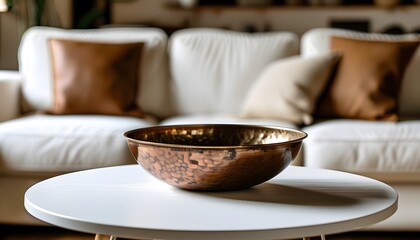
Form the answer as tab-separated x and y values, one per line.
104	237
308	238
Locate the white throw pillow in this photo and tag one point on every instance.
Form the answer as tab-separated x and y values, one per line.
288	89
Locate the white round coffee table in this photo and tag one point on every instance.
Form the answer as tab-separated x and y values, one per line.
125	201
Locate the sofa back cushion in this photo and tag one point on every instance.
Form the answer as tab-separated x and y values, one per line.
318	41
213	69
35	64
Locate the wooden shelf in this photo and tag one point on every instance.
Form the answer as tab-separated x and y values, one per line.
219	8
361	17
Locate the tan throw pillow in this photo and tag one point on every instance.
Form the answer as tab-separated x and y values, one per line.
368	79
95	78
288	89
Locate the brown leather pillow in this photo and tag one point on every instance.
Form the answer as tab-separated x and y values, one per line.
95	78
368	79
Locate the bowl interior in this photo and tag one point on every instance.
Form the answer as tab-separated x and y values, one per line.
216	135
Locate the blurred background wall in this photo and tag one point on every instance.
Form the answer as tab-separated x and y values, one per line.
285	15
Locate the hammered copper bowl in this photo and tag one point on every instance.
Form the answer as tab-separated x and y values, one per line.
214	157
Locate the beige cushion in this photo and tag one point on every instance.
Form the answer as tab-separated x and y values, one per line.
368	79
288	89
95	78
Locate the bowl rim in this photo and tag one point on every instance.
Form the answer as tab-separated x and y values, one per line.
172	145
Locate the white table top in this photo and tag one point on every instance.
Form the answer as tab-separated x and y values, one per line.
126	201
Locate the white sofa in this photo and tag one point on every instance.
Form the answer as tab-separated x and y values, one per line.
195	76
34	145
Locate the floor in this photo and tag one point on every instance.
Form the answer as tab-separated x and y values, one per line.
8	232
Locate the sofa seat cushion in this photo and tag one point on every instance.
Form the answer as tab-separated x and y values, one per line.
224	119
48	144
385	150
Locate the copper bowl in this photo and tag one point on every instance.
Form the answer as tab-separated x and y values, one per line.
214	157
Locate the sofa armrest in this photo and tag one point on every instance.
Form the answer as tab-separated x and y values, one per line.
9	94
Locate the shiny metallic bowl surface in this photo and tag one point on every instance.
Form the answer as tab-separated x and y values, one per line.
214	157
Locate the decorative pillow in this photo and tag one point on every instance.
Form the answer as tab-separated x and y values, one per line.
95	78
368	79
288	89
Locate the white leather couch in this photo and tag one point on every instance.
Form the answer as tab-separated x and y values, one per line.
195	76
179	88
